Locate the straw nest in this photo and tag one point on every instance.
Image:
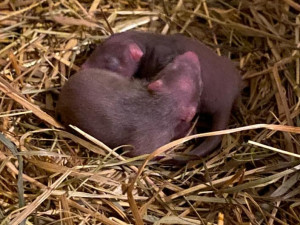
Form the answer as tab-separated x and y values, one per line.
68	180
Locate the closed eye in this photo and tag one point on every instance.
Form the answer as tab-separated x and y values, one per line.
112	63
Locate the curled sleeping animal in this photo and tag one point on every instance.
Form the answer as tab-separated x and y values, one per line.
118	111
142	55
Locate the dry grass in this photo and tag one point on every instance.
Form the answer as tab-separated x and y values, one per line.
67	180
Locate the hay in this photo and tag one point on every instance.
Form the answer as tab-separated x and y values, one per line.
68	180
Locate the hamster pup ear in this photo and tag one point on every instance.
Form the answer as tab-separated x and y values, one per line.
135	52
157	85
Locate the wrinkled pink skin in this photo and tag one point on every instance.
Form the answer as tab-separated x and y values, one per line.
119	111
221	80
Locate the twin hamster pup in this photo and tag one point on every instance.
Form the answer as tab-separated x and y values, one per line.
160	61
